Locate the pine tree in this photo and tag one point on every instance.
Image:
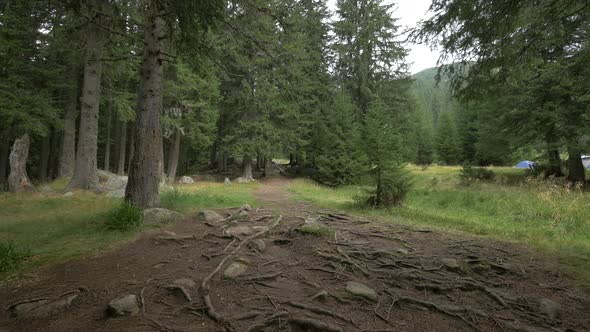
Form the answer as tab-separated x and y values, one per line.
447	144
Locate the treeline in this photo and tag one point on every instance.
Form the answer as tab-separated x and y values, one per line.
158	88
521	79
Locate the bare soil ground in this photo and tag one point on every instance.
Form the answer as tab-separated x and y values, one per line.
424	280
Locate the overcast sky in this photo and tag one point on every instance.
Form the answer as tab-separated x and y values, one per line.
409	12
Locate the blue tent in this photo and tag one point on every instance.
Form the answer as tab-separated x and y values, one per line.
526	164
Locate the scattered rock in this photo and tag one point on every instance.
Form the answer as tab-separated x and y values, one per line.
258	245
125	305
210	216
186	180
450	263
550	308
242	215
241	230
227	182
115	182
42	308
160	216
362	290
259	228
244	180
46	189
169	233
321	295
69	194
246	207
184	282
116	193
402	251
235	269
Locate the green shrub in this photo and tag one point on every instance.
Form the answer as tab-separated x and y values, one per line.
393	185
468	174
124	217
171	199
11	256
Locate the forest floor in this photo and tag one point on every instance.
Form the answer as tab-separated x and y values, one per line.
405	278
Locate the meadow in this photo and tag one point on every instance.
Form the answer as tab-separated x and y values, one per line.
545	215
41	228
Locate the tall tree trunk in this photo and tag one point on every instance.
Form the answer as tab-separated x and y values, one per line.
4	152
131	147
247	167
291	159
55	154
173	156
146	166
576	171
122	148
67	158
44	157
107	141
268	167
213	155
85	175
18	180
554	167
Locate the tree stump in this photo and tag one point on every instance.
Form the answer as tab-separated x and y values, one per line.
18	180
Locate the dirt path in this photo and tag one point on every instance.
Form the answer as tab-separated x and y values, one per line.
410	279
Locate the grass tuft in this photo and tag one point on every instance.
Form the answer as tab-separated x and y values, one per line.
11	256
123	218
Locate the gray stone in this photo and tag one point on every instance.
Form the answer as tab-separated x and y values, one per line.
235	269
246	207
258	245
186	180
160	216
402	251
69	194
210	216
116	193
550	308
124	305
242	215
450	263
46	189
243	180
227	182
241	230
115	182
362	290
43	308
184	282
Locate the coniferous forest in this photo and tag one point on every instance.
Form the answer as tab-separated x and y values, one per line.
169	133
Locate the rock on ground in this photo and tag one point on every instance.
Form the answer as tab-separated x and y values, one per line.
46	189
69	194
116	193
115	182
450	263
160	216
43	308
258	245
246	207
550	308
124	305
186	180
210	216
184	282
362	290
241	230
235	269
243	180
227	182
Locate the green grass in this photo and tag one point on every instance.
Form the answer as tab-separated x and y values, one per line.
57	228
208	195
544	215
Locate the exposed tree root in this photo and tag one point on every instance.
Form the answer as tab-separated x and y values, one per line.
183	290
302	322
321	311
262	277
205	287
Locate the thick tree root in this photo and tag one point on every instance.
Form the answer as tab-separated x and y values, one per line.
205	287
321	311
302	322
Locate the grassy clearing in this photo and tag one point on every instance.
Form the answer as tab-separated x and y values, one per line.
49	228
544	215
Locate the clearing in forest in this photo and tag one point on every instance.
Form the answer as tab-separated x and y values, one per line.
289	265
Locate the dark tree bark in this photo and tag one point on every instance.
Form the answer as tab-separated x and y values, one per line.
576	171
4	151
55	154
131	147
107	141
18	180
44	157
146	165
85	175
67	158
122	148
247	167
173	155
554	167
268	167
213	155
291	159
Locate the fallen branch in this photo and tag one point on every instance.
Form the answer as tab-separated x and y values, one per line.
183	290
